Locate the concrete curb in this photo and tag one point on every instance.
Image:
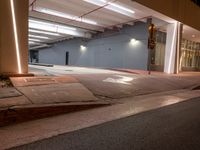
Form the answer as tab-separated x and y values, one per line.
17	114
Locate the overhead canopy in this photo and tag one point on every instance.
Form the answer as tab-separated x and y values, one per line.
55	20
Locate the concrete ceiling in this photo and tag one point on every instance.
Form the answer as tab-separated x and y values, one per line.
191	34
85	16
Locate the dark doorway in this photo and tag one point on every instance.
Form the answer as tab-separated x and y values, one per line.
67	58
33	56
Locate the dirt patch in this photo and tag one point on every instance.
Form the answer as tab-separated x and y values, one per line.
5	81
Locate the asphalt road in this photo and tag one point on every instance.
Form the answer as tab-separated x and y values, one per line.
176	127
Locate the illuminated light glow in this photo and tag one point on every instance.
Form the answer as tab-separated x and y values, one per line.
193	36
44	32
50	26
56	28
172	47
39	37
83	48
34	40
15	36
121	7
113	7
120	80
30	42
133	41
33	43
64	15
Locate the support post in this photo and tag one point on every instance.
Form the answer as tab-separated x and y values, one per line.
13	36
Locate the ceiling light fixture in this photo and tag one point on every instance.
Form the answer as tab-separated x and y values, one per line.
44	32
56	28
47	25
32	43
64	15
112	6
34	40
37	36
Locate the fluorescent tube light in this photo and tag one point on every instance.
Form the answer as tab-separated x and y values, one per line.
37	36
44	32
56	28
31	42
43	24
34	40
113	7
64	15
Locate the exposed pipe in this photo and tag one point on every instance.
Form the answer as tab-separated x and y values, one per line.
130	21
31	5
72	20
94	10
84	28
98	8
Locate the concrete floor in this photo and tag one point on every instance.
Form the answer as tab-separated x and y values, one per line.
105	83
129	94
57	70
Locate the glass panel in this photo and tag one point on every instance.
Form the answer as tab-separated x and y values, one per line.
190	54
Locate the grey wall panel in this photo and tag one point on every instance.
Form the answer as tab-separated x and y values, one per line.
113	51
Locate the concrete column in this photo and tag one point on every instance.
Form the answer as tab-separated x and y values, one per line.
13	36
179	51
172	49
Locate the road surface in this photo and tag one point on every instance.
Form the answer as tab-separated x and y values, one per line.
175	127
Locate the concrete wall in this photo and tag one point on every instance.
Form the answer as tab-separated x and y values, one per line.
184	11
8	56
108	50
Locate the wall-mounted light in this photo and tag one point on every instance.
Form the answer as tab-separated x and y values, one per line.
83	48
133	41
193	36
